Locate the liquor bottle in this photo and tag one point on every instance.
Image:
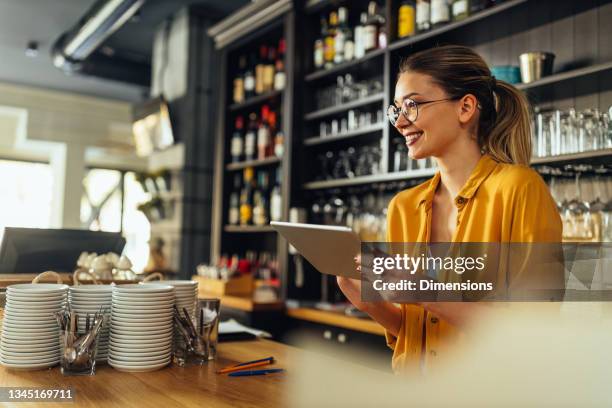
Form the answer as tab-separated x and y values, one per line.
250	137
249	79
237	143
234	204
341	35
276	208
319	47
260	69
238	95
269	70
370	30
359	36
478	5
246	197
277	145
406	19
460	9
280	78
382	30
349	43
260	200
263	134
423	15
330	47
440	13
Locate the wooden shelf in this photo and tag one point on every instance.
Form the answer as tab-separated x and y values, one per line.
404	42
248	229
246	304
364	325
343	66
346	135
345	106
564	76
376	178
256	100
253	163
594	157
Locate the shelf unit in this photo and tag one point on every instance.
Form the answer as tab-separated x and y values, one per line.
233	238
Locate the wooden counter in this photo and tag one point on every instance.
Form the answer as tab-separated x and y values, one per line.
173	386
337	319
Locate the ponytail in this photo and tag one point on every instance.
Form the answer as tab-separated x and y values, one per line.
504	128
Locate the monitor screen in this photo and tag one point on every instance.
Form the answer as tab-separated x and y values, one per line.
33	250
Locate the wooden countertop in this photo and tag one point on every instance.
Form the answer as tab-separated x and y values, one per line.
172	386
365	325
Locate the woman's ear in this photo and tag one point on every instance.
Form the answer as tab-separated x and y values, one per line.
468	107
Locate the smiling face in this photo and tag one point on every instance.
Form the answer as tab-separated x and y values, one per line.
439	125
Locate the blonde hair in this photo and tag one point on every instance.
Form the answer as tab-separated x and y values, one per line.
504	128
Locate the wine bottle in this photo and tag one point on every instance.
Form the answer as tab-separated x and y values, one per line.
250	137
280	78
263	133
460	9
359	36
249	78
269	70
238	95
234	207
341	35
246	197
330	49
276	209
237	143
423	15
370	30
440	13
406	19
260	69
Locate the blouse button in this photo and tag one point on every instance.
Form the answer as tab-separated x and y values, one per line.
434	320
433	352
461	200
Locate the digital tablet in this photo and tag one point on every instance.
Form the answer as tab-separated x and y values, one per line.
329	249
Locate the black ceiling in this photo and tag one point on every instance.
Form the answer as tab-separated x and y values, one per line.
22	21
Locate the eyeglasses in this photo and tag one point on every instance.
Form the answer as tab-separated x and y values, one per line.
409	108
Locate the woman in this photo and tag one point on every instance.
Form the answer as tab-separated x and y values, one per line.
448	106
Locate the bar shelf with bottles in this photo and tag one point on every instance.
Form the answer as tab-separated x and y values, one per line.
255	122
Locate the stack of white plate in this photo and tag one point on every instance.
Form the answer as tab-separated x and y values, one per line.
185	292
92	299
186	296
30	333
141	327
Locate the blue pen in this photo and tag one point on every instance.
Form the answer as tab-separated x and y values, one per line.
255	372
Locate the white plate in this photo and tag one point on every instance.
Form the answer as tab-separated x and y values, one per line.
151	355
152	299
135	337
138	361
138	288
152	313
133	349
140	331
27	342
27	355
121	317
91	288
173	283
151	308
46	303
30	313
38	288
32	319
16	324
136	369
32	299
34	366
25	347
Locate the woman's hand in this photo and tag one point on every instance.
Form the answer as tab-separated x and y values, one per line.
386	314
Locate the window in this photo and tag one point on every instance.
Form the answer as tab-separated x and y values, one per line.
110	202
27	194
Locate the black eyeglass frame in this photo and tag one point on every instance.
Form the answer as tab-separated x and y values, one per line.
393	111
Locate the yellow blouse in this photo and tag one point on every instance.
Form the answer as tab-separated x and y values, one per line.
499	203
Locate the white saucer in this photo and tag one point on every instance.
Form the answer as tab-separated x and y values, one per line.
136	369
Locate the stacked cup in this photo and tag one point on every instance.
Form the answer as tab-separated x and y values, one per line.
186	296
141	327
30	334
91	299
